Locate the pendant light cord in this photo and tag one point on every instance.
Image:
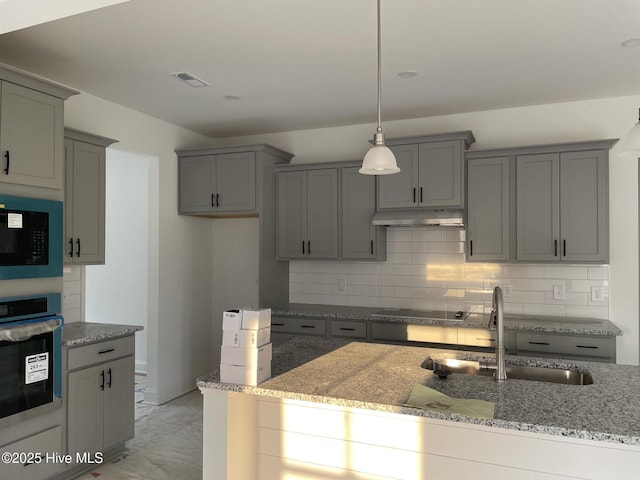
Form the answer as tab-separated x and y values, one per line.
379	73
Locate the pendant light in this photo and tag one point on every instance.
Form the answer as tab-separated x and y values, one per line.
631	145
379	160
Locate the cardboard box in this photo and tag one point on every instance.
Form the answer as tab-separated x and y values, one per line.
246	338
246	356
256	319
232	320
243	375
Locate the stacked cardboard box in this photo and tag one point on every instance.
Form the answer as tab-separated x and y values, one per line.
245	356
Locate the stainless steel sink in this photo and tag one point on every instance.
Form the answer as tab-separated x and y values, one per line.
444	367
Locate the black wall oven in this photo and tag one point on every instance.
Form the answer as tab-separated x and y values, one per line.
30	354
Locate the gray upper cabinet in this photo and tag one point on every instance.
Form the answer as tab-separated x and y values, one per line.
85	167
488	209
557	203
217	183
360	239
31	136
563	207
308	214
431	172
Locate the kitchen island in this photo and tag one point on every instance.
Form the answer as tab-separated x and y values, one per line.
342	415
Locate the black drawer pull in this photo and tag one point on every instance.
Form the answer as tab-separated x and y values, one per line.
555	248
78	245
106	351
471	248
420	194
539	343
303	247
71	247
486	339
346	329
6	169
109	382
273	324
414	194
371	247
307	326
564	248
213	196
102	376
594	347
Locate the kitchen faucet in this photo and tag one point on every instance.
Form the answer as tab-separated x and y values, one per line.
497	318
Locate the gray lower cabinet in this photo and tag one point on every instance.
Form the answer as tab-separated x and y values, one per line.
49	441
308	214
100	396
85	165
431	172
402	333
586	347
488	209
360	239
217	183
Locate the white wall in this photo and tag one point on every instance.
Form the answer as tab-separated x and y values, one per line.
563	122
179	281
117	292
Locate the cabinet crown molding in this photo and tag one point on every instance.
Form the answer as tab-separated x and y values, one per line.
605	144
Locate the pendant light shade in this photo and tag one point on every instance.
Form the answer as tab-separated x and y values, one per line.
379	160
631	144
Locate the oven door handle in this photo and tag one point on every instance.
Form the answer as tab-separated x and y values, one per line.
102	383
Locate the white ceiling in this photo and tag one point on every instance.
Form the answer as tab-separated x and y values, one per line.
299	64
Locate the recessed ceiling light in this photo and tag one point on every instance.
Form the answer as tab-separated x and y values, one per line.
631	43
190	79
408	74
232	98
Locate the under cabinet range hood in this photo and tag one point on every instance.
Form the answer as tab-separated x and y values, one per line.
412	217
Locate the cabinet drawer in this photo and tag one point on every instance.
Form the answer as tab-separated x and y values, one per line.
43	443
300	326
586	346
86	355
348	329
414	333
482	337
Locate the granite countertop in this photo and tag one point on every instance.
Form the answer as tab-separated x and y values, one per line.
380	377
82	333
547	324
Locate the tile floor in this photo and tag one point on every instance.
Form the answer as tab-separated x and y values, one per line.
167	443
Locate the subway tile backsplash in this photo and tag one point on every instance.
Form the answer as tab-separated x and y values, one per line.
426	269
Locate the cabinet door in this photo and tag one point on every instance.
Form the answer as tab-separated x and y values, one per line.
85	407
538	207
488	209
235	180
85	207
440	175
584	225
322	213
118	401
197	189
31	133
359	239
400	190
292	214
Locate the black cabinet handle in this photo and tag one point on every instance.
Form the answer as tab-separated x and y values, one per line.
346	329
555	248
539	343
109	382
71	247
274	324
6	169
109	350
593	347
309	247
102	384
420	194
414	194
307	326
371	247
217	199
303	247
78	244
564	248
471	248
213	196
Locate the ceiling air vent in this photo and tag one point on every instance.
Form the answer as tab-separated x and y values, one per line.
190	79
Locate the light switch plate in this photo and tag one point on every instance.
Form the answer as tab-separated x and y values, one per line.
558	292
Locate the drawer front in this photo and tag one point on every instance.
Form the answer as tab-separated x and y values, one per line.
477	337
80	357
348	329
567	344
414	333
49	441
299	326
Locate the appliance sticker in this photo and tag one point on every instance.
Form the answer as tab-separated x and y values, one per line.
14	220
36	368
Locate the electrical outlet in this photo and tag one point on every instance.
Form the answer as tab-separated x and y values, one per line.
596	294
558	292
65	300
507	290
342	284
